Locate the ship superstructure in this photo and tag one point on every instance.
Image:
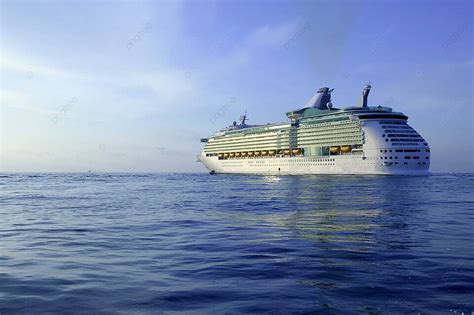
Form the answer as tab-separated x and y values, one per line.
321	139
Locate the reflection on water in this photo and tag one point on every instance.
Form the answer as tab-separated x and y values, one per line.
324	209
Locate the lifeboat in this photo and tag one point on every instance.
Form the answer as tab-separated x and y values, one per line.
296	151
264	153
271	152
286	152
221	155
244	153
346	148
231	154
250	153
257	153
335	150
226	155
280	151
237	154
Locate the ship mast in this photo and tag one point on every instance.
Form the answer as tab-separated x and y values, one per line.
243	118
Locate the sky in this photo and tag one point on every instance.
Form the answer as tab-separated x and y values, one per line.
132	86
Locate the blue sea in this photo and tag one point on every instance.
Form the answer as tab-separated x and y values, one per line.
200	244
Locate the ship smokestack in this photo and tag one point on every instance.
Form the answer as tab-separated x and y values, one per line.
365	96
321	99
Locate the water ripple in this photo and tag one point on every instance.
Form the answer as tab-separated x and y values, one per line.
151	243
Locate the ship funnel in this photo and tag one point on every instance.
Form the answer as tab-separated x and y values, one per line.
321	99
365	95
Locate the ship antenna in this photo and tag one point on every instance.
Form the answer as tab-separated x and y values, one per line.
243	118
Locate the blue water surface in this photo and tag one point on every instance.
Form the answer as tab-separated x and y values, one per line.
196	243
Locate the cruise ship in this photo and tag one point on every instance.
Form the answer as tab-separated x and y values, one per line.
321	139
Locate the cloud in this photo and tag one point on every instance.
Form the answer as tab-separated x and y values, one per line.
103	94
261	38
33	69
14	99
170	85
272	35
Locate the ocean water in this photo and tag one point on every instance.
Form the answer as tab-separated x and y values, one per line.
196	243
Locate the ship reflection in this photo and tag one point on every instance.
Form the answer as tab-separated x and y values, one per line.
351	213
330	234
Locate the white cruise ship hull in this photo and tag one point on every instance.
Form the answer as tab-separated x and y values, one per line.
308	165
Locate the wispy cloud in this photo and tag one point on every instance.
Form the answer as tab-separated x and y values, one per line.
271	35
14	99
168	88
261	39
31	68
